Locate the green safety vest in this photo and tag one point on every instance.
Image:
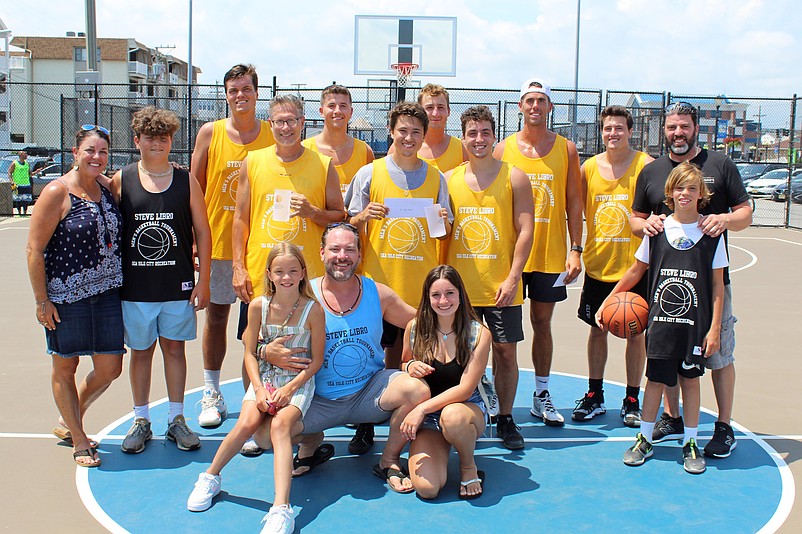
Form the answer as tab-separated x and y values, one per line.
22	173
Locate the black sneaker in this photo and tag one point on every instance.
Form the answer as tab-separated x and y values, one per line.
630	412
362	440
508	432
668	428
588	407
722	443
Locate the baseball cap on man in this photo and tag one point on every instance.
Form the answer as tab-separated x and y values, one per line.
535	85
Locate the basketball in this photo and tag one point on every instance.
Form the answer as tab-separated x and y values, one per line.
625	315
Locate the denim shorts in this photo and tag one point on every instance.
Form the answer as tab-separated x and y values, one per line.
221	285
93	325
432	420
145	322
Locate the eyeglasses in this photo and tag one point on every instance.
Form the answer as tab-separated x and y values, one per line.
681	108
292	123
90	127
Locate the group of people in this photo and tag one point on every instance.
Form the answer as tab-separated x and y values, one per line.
326	248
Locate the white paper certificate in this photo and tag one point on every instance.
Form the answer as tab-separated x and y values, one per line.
406	207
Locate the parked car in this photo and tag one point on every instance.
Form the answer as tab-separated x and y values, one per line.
764	186
44	177
796	194
752	171
780	192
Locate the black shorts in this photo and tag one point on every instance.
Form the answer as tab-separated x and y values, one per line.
390	333
506	324
666	371
540	287
242	323
595	291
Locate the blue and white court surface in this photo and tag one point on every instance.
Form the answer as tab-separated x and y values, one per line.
568	479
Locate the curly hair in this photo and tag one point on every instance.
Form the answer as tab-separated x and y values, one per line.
408	109
153	121
477	114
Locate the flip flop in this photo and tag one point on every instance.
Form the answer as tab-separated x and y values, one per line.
386	473
480	479
86	453
64	435
321	455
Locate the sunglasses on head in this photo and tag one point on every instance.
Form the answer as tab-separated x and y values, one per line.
90	127
681	108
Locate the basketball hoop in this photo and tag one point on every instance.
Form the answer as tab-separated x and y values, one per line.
404	71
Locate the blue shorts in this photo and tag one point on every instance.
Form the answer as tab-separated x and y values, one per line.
145	322
93	325
432	420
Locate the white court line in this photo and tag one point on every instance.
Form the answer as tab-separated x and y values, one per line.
766	239
748	265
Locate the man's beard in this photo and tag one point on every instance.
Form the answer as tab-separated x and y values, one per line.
340	276
681	150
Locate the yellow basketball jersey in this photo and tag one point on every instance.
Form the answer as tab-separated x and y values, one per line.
347	170
222	171
548	176
449	159
482	241
610	246
306	175
399	251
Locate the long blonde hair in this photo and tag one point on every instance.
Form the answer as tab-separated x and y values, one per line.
287	249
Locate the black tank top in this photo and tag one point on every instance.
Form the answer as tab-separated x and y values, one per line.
157	239
681	304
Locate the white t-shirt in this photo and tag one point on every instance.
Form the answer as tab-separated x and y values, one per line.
682	237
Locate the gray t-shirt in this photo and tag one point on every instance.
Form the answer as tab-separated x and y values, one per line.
358	195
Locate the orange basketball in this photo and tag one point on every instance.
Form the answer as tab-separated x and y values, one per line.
625	315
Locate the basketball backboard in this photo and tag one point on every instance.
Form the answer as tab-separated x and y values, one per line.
381	41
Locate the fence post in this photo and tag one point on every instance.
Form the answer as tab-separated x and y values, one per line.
61	129
96	106
791	162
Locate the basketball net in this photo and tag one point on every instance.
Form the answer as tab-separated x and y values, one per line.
404	72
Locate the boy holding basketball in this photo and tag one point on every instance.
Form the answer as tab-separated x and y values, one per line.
163	215
686	288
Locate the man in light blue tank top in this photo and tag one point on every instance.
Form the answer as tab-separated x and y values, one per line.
353	386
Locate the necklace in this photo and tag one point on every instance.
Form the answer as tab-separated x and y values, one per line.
444	334
343	312
289	316
84	194
155	174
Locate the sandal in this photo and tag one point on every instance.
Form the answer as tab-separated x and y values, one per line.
321	455
64	435
94	459
480	479
386	473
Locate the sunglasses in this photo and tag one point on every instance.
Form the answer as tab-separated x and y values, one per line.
681	108
335	226
90	127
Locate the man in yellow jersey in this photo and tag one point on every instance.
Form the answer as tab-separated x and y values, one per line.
439	149
552	164
316	201
399	250
608	184
492	237
220	148
347	153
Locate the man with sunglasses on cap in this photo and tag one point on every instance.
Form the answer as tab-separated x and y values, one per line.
728	209
552	165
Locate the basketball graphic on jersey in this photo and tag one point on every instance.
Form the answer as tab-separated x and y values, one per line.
675	299
403	235
232	185
153	243
476	235
611	219
541	194
349	361
280	231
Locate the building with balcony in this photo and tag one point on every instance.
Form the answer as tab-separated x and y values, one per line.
51	86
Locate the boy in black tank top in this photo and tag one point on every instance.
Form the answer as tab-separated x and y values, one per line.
163	215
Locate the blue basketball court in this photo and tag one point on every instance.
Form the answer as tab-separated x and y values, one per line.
567	479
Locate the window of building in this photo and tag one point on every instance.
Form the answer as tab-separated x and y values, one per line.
80	53
17	138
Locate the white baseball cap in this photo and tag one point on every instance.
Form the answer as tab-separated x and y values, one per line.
535	85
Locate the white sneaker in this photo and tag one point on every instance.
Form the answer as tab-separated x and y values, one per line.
213	409
206	488
279	520
543	407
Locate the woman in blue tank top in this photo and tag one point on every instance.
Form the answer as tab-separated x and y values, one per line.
446	346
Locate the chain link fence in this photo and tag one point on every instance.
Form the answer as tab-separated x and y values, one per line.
757	131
